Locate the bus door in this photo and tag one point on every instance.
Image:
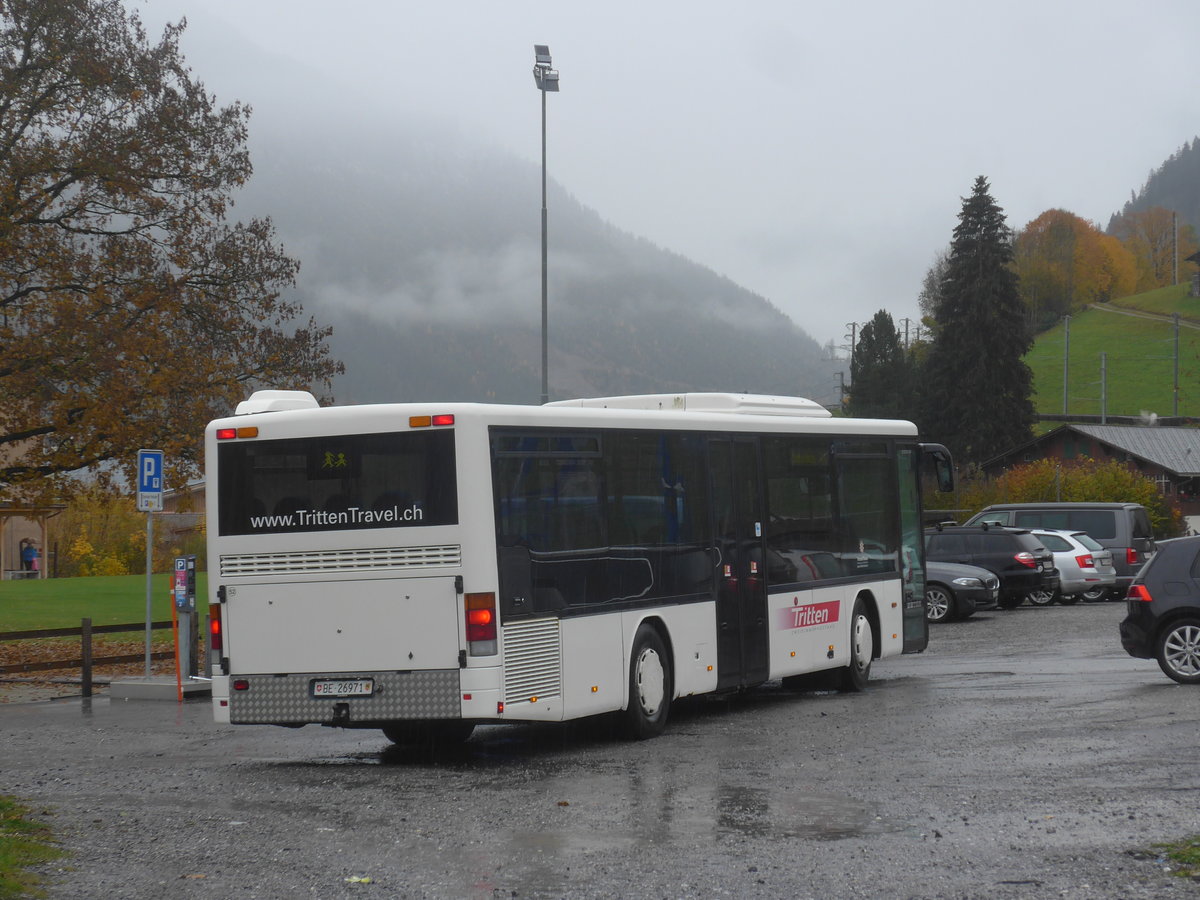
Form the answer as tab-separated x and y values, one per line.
912	549
742	642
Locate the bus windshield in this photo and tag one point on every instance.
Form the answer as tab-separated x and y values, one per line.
338	482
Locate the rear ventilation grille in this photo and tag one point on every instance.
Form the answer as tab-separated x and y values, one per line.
332	562
532	660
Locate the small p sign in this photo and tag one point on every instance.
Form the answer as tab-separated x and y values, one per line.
150	480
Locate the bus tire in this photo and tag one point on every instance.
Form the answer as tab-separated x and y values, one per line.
650	686
862	650
428	733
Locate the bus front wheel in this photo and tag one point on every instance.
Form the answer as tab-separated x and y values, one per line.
649	686
862	650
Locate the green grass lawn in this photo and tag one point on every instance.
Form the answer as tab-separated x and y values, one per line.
1140	362
23	844
113	600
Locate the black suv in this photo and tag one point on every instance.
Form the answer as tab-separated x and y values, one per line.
1014	554
1162	618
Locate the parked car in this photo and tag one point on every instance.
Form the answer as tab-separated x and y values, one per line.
954	591
1162	618
1085	568
1022	564
1122	528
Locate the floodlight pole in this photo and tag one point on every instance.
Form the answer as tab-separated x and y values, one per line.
546	79
545	304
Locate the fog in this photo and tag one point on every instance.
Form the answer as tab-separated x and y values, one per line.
814	154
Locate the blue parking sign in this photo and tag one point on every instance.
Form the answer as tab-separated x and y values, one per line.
149	480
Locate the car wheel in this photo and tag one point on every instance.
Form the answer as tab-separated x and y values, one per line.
862	650
1178	651
1094	595
939	603
1011	602
649	686
1040	598
1068	599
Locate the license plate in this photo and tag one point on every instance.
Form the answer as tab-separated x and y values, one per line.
344	687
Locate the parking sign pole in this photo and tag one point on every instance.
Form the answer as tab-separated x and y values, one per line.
149	499
149	567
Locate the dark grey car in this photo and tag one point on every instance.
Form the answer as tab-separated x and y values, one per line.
1162	618
954	591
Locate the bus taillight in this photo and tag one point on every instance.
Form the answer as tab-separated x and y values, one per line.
481	624
214	627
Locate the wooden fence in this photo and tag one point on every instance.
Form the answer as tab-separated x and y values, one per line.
85	661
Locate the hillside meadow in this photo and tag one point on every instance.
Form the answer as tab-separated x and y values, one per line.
1140	358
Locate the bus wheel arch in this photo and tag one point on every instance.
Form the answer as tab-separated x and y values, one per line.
651	682
865	645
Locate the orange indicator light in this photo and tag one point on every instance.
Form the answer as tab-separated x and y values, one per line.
420	421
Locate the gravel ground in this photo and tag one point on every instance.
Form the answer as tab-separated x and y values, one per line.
1022	756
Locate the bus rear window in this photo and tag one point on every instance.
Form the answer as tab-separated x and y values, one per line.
337	483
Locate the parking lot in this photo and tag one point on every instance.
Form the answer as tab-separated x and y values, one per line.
1023	755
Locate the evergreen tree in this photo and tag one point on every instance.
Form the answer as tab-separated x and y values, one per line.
975	383
880	374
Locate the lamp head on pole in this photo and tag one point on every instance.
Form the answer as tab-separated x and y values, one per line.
544	75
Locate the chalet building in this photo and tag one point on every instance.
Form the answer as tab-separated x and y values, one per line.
1169	455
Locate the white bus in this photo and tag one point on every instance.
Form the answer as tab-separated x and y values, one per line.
423	568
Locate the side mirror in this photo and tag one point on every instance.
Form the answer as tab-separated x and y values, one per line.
943	465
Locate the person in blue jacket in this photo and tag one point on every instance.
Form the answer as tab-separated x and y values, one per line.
29	555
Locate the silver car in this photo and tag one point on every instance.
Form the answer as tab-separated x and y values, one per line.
1085	568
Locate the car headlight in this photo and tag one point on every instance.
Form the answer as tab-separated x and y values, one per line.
968	582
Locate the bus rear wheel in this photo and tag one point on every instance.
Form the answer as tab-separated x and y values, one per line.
650	686
862	650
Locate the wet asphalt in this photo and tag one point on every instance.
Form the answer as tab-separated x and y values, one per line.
1023	755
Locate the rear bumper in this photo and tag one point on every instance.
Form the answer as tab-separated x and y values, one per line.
1079	585
289	700
1136	637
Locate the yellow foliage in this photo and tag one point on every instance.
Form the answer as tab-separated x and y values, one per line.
1065	262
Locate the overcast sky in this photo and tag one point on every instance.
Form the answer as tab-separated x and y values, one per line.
816	154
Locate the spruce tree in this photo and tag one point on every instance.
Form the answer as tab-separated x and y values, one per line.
976	385
880	377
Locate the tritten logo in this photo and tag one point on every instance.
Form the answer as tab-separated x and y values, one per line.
809	615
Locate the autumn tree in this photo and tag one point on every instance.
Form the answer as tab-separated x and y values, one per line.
881	380
132	309
976	386
1064	262
1150	236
